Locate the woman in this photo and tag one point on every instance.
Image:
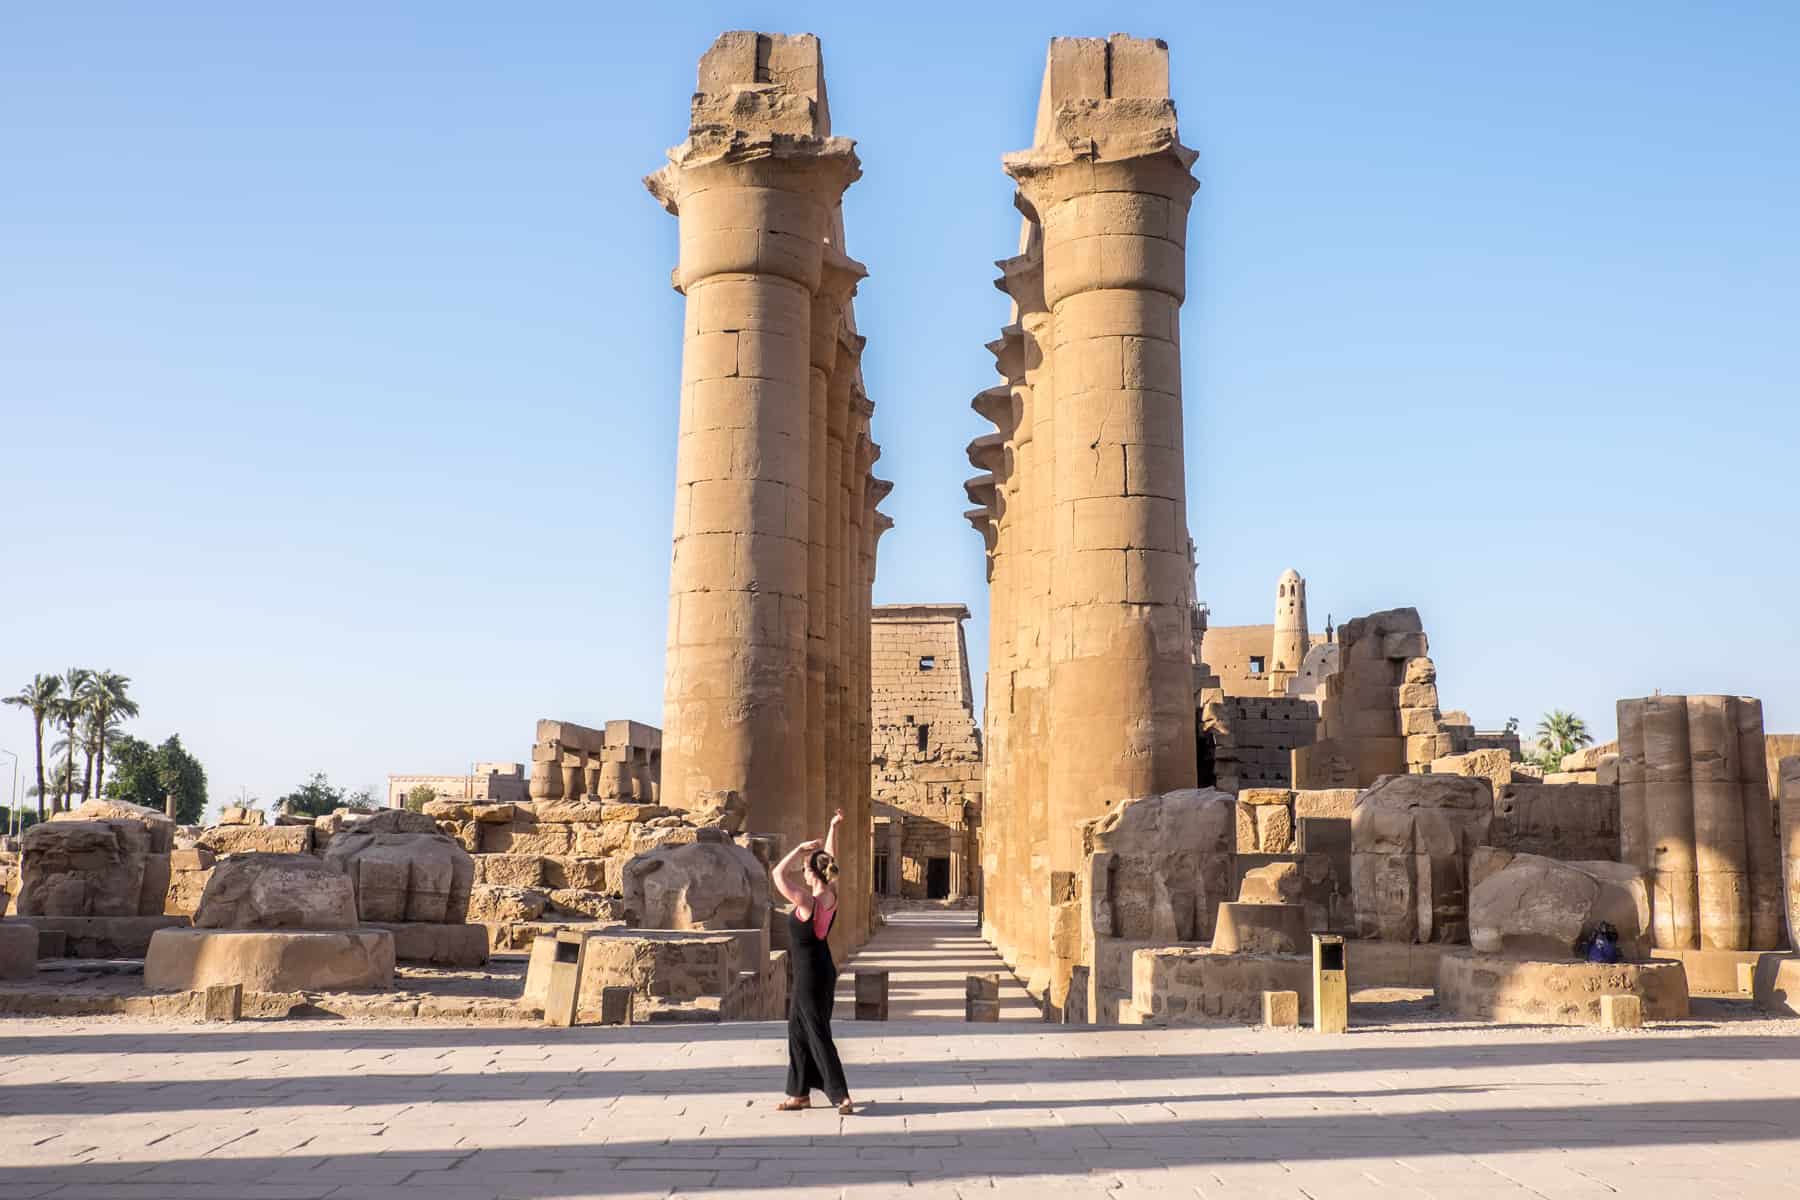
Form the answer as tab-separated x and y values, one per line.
804	877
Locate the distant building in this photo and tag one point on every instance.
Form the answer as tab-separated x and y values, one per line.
925	769
500	782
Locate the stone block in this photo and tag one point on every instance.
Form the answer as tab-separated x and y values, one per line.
585	874
225	1001
1621	1011
491	904
270	960
981	998
72	868
1281	1010
1192	985
872	995
1325	802
18	951
402	872
1173	859
1272	883
704	885
158	828
1418	721
1260	929
276	891
54	943
258	839
509	870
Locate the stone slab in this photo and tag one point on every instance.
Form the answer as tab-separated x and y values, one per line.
270	960
18	951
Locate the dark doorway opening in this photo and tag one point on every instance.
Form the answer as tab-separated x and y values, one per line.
881	875
937	879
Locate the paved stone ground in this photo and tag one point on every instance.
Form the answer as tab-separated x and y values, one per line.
929	957
1403	1106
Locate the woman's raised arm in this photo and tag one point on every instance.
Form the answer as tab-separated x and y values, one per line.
831	846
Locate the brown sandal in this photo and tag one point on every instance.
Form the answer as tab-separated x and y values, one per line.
794	1104
846	1109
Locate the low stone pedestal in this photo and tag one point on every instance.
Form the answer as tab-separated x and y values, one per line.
1713	972
1192	985
225	1002
52	943
270	960
981	998
1261	929
18	951
103	937
437	945
1281	1010
872	995
1621	1012
1541	991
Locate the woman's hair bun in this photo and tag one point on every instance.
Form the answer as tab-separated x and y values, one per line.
823	865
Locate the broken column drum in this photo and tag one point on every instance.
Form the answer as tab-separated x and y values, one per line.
1695	813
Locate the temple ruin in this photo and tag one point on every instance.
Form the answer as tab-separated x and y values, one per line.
1162	819
926	769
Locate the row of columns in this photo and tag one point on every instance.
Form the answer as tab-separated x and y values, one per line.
775	532
1082	495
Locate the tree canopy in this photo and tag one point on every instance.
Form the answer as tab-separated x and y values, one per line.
145	774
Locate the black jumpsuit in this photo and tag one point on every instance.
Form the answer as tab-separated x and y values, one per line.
812	1056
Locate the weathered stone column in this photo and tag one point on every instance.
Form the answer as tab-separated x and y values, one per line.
1768	905
838	278
1789	795
755	186
1695	815
1291	637
1021	355
993	454
1108	181
841	451
875	524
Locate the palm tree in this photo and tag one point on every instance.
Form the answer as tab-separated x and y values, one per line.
40	697
68	713
1561	733
107	702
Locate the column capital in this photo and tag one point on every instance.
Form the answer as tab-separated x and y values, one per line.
1022	278
838	278
995	405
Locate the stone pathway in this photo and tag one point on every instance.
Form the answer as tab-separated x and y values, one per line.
318	1110
929	956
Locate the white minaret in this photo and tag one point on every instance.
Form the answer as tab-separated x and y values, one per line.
1291	638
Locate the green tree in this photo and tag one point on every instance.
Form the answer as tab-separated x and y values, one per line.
419	797
148	775
1559	734
314	798
71	706
361	800
107	704
39	696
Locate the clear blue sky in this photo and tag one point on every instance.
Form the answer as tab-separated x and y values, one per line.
339	365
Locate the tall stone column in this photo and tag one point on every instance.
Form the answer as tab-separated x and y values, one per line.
1021	356
1788	795
841	450
993	454
1291	636
1108	181
838	278
755	186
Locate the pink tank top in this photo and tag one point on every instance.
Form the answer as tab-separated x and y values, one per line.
821	920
